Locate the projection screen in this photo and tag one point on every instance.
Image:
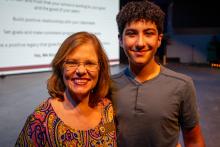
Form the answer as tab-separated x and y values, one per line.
31	31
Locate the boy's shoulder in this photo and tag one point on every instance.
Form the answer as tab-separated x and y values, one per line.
169	73
118	75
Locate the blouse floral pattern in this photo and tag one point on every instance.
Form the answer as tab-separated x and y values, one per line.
44	128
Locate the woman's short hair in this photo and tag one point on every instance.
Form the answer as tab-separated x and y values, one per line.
55	83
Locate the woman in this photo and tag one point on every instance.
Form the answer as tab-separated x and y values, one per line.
77	114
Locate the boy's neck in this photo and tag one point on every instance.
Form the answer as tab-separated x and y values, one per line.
146	72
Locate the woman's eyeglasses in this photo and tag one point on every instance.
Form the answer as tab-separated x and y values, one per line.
73	65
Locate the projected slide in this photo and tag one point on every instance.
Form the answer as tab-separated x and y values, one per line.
31	31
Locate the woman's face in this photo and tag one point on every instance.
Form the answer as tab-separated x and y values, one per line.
81	71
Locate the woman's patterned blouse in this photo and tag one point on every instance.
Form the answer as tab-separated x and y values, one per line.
44	128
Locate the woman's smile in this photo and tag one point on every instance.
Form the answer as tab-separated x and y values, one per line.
81	81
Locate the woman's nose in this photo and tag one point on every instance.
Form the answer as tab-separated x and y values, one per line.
81	69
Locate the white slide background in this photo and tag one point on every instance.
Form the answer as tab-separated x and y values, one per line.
31	31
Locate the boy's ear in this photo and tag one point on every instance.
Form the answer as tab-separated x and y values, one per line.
160	37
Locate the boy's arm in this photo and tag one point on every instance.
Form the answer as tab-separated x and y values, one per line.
193	137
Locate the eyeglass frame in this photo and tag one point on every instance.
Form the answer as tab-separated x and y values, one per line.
76	65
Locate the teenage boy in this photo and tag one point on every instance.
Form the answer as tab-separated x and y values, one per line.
152	102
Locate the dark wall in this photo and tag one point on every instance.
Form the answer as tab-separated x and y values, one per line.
196	14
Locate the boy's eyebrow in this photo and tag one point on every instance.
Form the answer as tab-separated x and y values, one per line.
147	29
130	29
150	29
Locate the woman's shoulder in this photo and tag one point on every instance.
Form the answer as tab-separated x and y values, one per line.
106	103
34	129
107	109
41	111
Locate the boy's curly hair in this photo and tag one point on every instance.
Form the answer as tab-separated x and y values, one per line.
140	10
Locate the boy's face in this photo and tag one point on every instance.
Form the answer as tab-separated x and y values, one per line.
140	40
